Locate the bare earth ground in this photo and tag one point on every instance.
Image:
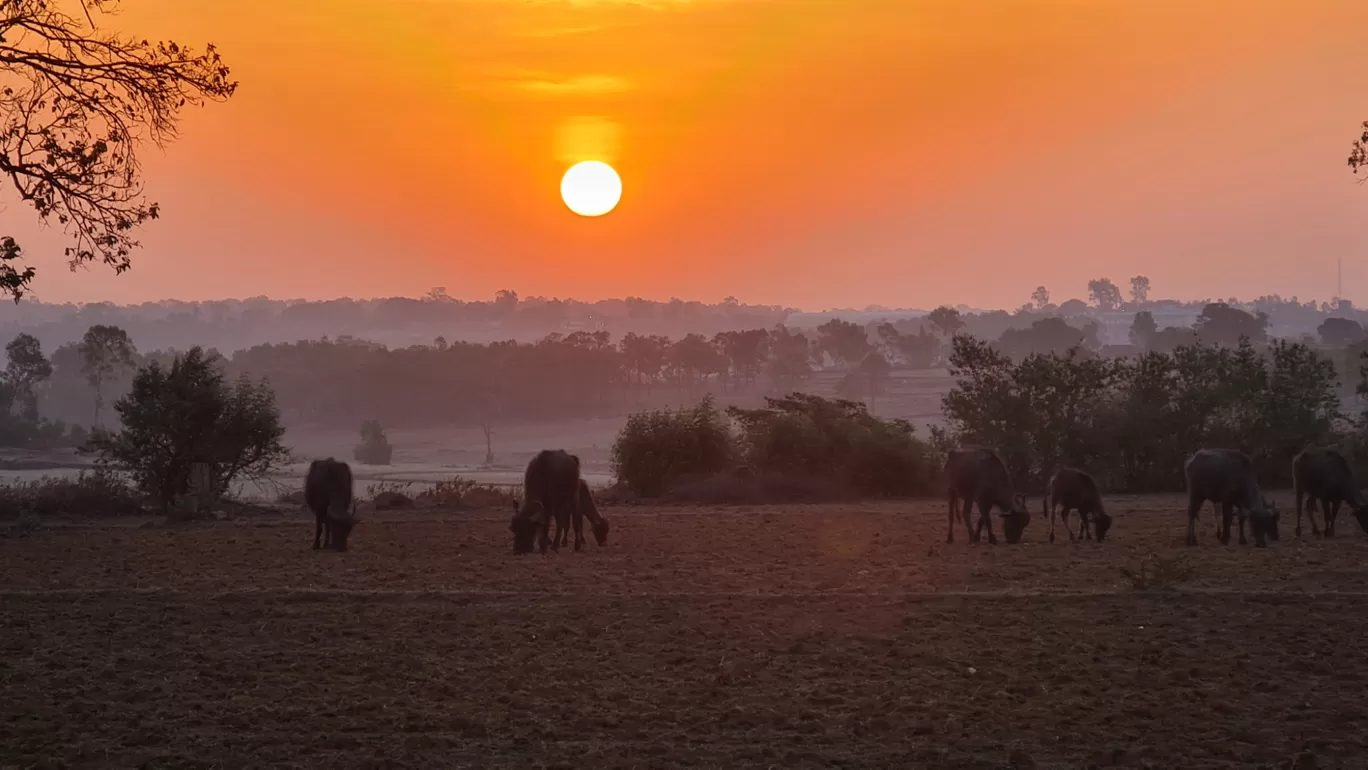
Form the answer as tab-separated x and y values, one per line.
822	636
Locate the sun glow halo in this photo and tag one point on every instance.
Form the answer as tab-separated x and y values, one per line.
591	188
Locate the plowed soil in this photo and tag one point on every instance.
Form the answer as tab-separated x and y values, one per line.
799	636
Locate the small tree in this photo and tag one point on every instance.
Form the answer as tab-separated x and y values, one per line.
105	351
177	417
655	449
1041	297
947	319
1104	294
1358	156
1140	289
1143	328
27	367
375	448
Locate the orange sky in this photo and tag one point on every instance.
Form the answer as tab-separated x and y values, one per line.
815	153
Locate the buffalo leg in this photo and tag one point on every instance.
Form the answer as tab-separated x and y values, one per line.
1049	511
1331	513
1084	526
1227	511
967	514
1194	506
1300	494
1064	519
577	519
950	531
985	517
318	531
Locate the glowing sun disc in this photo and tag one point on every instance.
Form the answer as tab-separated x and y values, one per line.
591	188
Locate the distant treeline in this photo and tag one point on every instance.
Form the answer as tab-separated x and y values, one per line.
341	381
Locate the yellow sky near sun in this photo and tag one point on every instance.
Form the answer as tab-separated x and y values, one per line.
813	152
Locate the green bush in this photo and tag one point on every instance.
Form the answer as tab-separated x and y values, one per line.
98	493
657	448
836	441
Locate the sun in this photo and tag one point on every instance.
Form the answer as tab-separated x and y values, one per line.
591	188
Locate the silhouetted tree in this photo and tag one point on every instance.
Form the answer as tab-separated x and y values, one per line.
1041	297
1340	331
75	103
1142	330
1048	335
1221	324
105	351
1104	294
1140	289
947	319
176	417
844	341
1073	307
915	351
26	368
1358	156
790	358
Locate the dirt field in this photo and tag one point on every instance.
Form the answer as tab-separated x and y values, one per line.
824	636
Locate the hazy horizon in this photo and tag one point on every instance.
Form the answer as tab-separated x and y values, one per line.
793	155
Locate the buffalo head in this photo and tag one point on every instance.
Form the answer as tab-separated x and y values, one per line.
1361	513
601	531
1101	523
1015	520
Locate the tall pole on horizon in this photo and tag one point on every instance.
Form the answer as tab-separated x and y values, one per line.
1339	279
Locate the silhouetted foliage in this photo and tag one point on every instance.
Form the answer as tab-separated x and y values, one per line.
374	448
1139	289
1340	331
806	436
1358	156
1221	324
177	416
75	102
1048	335
105	351
845	342
26	368
1143	330
657	448
1041	297
1132	422
97	493
947	319
1104	294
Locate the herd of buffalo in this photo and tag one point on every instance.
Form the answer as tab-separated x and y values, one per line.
977	476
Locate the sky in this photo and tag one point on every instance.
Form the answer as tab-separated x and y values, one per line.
809	153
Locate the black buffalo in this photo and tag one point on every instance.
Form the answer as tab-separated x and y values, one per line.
978	476
550	491
1324	475
328	493
1075	490
1226	478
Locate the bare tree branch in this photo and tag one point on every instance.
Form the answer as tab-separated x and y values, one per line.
1358	157
74	104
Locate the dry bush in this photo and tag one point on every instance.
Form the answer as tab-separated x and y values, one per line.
96	493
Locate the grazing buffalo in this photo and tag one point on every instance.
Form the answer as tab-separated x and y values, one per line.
585	508
1072	489
1226	478
550	489
1324	475
328	493
978	476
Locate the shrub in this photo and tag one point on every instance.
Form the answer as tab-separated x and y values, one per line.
727	488
375	448
656	448
838	442
97	493
177	417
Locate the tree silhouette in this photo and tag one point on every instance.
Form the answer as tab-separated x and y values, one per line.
1221	324
1339	332
1140	289
1358	156
844	341
105	351
947	319
1041	297
74	104
1142	330
1104	294
27	367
